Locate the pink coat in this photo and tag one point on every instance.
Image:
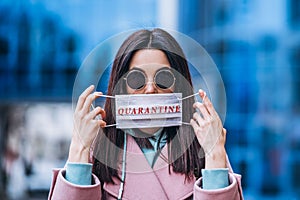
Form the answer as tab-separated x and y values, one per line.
144	182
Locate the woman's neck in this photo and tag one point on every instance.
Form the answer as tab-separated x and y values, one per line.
150	131
139	133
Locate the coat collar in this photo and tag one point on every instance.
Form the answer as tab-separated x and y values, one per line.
144	182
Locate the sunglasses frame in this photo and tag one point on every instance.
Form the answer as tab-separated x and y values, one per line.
146	78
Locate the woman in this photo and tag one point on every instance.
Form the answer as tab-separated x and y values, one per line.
173	162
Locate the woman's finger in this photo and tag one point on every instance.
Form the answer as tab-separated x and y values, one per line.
194	125
207	103
102	123
88	102
83	97
202	109
198	119
95	112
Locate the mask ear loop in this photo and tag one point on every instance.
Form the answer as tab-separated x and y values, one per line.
187	97
99	94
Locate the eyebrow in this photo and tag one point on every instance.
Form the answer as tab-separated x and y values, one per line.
140	69
136	68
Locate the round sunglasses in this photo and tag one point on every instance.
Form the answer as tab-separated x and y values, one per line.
137	80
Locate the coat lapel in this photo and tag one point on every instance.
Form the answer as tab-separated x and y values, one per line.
143	182
174	184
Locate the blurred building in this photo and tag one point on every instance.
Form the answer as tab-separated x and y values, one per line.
256	47
255	44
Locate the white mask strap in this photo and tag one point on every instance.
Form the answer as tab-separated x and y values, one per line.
187	97
99	94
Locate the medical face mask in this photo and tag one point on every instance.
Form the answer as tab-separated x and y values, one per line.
148	110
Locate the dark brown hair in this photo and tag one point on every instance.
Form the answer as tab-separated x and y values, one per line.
185	153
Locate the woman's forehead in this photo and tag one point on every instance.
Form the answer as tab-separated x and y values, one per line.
147	57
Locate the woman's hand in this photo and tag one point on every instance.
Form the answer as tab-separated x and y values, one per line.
85	126
210	133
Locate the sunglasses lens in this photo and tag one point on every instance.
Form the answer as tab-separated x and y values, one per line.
164	79
136	80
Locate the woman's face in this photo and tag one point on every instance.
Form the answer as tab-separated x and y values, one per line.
149	61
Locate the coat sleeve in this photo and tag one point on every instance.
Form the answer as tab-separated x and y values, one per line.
233	191
62	189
